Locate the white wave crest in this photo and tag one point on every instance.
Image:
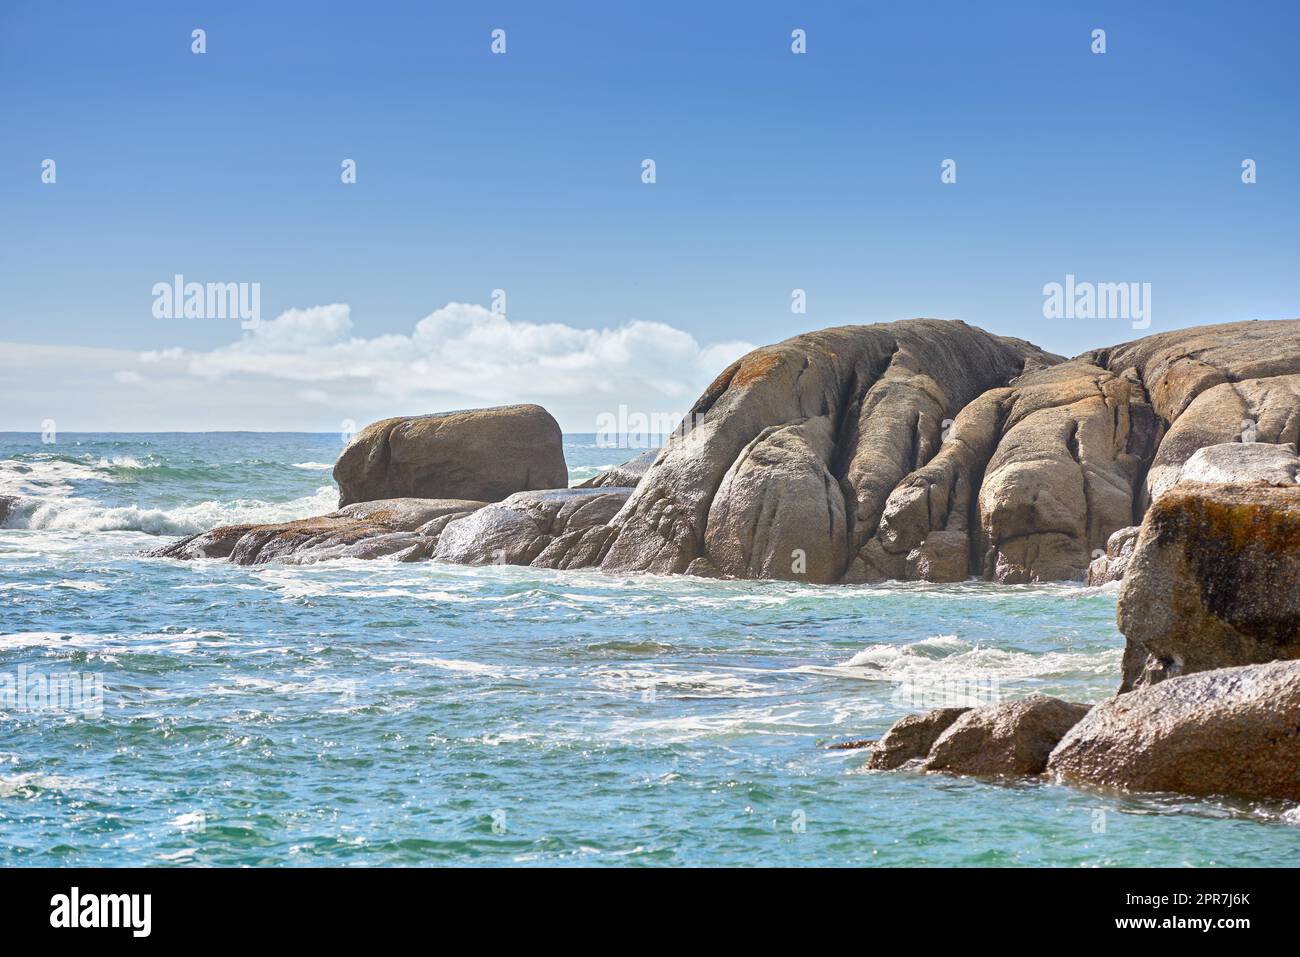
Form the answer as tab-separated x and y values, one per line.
84	515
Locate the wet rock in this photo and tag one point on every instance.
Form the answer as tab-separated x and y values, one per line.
477	454
1233	732
911	737
1011	738
1214	581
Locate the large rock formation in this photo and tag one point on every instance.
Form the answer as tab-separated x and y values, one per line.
477	454
1232	732
1033	477
920	449
792	452
1214	581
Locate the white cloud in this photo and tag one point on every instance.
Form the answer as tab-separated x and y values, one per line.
306	369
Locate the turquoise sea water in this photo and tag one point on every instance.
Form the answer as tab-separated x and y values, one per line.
379	713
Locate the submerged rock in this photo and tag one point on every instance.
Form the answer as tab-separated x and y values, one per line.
477	454
1014	737
405	529
1214	581
911	737
1232	732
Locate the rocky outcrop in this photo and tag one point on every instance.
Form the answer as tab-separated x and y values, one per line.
911	738
1011	738
1214	581
1040	474
1233	732
557	528
478	454
1111	566
794	450
7	503
916	450
401	529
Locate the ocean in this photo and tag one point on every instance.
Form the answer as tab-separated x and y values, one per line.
376	713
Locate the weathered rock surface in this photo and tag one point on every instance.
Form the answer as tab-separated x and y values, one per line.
1011	738
1242	462
911	737
1214	384
627	475
1111	566
1232	732
1214	581
817	429
405	529
7	503
478	454
556	528
1040	474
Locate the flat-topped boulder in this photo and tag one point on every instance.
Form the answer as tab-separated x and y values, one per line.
1233	732
477	454
1237	462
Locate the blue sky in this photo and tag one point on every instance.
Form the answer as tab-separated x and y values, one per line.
522	172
